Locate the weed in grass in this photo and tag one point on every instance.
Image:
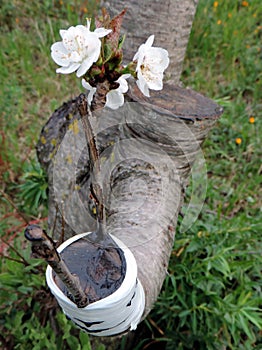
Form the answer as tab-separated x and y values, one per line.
33	190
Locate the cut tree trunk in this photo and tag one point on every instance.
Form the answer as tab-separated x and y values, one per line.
148	148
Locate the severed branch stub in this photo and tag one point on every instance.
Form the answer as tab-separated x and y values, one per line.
43	247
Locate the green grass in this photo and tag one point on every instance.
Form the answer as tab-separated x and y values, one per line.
212	296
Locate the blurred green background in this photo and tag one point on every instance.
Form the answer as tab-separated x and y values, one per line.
212	297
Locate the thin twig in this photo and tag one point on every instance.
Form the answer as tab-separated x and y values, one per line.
86	113
62	234
23	260
13	259
14	206
96	185
44	247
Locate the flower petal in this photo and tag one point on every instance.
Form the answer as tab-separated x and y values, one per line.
90	96
123	87
114	99
140	53
150	41
70	39
85	65
86	85
62	32
83	29
157	58
91	89
156	84
101	32
59	54
142	85
67	70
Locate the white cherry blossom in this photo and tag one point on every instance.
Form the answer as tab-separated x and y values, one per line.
114	98
78	50
151	63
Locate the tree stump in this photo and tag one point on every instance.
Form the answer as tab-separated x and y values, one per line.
147	148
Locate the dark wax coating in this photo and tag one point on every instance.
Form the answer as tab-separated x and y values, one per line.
100	269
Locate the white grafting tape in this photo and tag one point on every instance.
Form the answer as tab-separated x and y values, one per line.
112	315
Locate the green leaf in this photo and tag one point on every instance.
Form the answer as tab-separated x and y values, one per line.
245	325
193	246
121	41
253	317
84	339
184	313
73	343
8	279
194	322
107	53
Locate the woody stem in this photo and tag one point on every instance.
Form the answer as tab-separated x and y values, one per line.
95	167
43	247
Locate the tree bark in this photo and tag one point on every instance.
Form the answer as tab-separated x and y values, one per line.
170	21
148	148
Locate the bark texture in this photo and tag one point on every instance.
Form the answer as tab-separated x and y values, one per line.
170	21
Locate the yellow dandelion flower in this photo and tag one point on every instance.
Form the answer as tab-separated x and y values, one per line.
245	3
238	140
254	15
251	120
229	15
219	22
248	46
215	4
